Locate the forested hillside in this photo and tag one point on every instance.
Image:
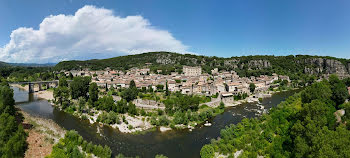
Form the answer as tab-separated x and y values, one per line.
2	64
12	135
26	72
19	73
245	65
304	125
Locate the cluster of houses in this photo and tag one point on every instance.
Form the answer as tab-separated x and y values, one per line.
191	81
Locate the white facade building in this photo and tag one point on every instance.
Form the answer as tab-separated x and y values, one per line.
192	71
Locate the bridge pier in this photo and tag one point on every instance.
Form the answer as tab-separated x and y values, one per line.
31	88
40	87
40	84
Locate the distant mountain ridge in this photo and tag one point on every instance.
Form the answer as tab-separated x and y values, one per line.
2	64
244	65
33	64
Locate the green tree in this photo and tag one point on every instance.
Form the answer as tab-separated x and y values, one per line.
207	151
252	87
339	93
93	92
132	84
130	93
69	147
163	121
319	90
122	106
6	100
62	82
347	81
132	109
80	87
339	90
222	105
284	83
12	136
17	144
167	93
61	95
81	103
106	103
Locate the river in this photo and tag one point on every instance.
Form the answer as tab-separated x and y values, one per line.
175	143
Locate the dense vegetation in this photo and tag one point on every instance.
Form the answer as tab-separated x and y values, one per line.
74	146
292	66
82	98
302	126
17	73
12	135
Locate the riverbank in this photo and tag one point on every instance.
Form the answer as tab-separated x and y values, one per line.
42	135
161	143
130	125
141	124
45	94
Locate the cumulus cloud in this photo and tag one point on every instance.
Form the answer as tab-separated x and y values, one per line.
90	33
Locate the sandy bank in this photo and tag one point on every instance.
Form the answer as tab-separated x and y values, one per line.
45	94
42	136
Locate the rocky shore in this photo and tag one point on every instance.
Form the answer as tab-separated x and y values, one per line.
134	124
42	135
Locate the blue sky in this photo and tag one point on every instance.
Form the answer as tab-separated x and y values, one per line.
207	27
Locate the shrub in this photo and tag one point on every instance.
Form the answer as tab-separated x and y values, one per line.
163	121
207	151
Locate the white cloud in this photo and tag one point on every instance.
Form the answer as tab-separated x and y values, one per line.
90	33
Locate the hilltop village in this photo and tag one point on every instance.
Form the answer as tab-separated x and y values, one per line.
191	81
140	100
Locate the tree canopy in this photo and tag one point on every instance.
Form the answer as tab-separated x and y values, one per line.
80	87
93	92
252	87
302	126
12	135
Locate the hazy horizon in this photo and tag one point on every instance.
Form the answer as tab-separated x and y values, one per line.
54	63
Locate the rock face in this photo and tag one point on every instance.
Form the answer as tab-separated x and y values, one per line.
252	64
335	66
165	59
313	66
325	66
233	63
259	64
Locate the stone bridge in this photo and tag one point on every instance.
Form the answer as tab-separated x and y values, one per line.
48	84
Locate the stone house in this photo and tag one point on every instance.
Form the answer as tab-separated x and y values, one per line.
220	88
172	86
227	97
186	90
233	86
192	71
284	78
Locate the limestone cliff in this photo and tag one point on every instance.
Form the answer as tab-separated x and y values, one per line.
258	64
325	66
